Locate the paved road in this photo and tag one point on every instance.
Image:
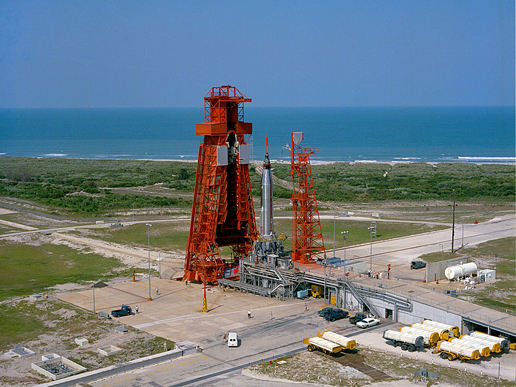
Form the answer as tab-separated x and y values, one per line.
219	365
405	249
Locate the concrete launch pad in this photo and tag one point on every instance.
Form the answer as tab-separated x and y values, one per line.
176	312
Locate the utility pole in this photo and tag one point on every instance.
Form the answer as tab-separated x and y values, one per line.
371	252
453	226
442	251
148	240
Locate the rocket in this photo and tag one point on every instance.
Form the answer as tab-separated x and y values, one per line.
266	218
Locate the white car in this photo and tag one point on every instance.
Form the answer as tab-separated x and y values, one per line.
368	322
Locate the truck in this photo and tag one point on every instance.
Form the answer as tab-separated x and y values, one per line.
357	317
317	291
407	341
125	310
449	350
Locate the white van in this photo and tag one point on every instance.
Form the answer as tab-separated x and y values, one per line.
232	339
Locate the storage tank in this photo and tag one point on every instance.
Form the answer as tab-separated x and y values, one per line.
454	272
482	348
443	333
493	347
430	338
415	339
504	343
453	331
343	341
470	353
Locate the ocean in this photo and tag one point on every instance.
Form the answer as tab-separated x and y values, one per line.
361	134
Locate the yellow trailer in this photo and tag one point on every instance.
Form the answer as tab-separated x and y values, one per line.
322	344
452	351
453	331
343	341
443	333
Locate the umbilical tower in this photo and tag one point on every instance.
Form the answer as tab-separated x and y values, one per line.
222	210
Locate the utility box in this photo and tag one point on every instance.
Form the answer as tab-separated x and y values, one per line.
486	275
302	293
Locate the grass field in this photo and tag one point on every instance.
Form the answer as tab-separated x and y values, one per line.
499	254
29	269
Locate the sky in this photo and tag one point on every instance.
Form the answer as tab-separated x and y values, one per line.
153	54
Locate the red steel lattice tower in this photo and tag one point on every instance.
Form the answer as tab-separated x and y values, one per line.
307	238
222	210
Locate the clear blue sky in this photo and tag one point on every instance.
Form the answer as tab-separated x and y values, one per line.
279	53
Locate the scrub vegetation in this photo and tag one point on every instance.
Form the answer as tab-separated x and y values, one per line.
92	187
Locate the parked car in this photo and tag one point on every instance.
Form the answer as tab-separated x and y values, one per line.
368	322
357	317
417	265
336	314
232	339
325	311
125	310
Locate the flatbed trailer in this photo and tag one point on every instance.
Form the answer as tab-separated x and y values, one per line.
450	351
343	341
407	341
324	345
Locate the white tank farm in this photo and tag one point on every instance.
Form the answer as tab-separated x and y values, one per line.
493	347
454	272
458	349
453	331
443	333
415	339
482	348
343	341
430	338
504	343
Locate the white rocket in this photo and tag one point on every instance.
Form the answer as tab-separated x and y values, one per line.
267	218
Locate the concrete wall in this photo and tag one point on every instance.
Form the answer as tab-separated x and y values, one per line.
118	369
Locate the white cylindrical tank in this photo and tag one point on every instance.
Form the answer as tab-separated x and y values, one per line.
443	333
343	341
430	338
415	339
458	349
482	348
493	347
453	331
504	343
454	272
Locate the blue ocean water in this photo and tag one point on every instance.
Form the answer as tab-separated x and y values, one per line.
467	134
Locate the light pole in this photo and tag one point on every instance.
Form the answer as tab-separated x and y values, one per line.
371	252
148	241
345	236
442	251
93	287
498	373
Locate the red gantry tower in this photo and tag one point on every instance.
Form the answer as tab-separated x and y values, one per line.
222	210
307	237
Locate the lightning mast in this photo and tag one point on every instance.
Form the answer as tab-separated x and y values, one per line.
307	238
222	210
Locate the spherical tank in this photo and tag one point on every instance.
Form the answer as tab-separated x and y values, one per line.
454	272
